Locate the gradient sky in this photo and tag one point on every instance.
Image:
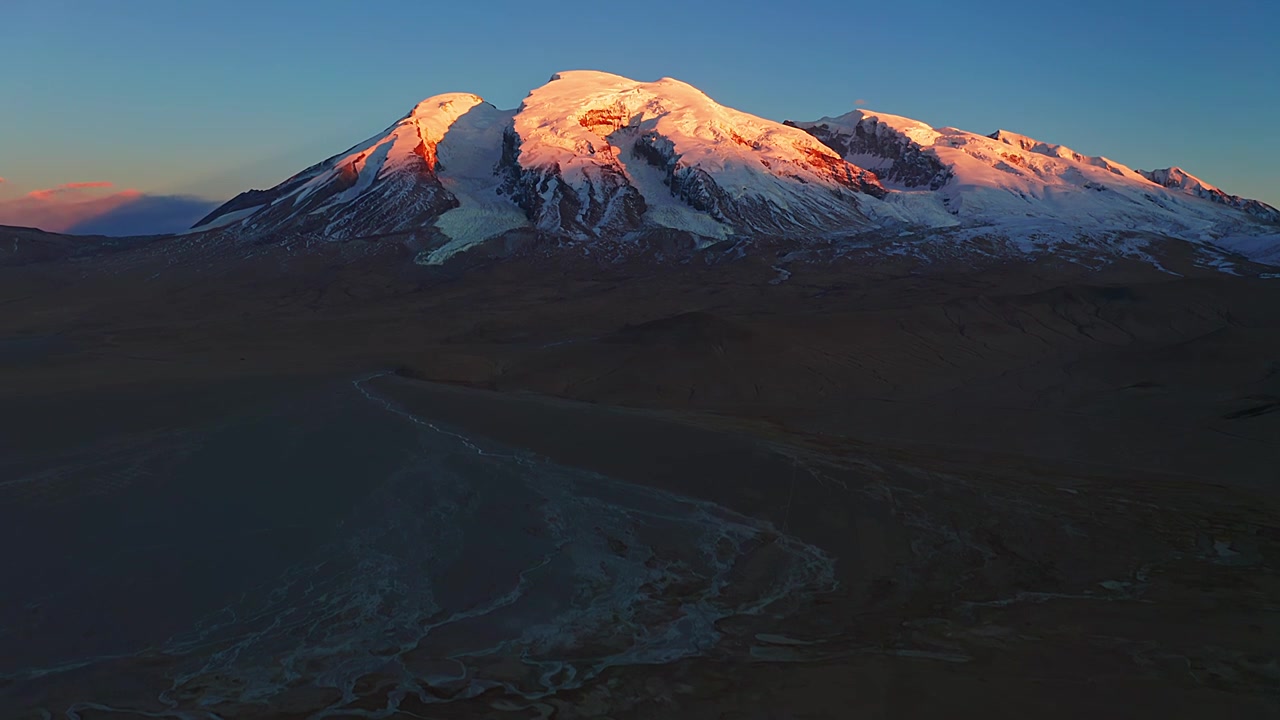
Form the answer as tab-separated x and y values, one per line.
211	98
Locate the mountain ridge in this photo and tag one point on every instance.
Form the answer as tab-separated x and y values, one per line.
591	156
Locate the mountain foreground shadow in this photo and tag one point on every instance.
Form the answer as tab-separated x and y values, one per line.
1043	490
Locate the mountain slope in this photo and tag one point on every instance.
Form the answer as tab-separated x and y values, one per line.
386	184
1011	180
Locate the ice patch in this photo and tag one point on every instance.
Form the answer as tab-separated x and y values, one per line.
471	225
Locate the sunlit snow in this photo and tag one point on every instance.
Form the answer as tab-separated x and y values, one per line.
626	155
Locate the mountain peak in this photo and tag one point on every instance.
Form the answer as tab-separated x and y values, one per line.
1176	177
448	104
587	76
433	117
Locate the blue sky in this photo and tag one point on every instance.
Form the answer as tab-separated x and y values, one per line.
209	98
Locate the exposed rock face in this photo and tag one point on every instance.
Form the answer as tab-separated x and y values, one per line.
846	173
690	184
603	203
909	165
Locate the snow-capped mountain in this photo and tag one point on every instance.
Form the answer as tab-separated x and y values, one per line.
592	156
1007	180
588	155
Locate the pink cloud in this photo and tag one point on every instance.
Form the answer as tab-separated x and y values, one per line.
61	208
91	208
83	185
3	181
48	193
859	101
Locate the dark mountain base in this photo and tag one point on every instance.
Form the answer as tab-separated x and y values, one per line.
1048	491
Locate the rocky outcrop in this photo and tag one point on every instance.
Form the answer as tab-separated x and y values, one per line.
907	164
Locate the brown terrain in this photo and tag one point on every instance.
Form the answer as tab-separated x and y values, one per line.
1049	491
